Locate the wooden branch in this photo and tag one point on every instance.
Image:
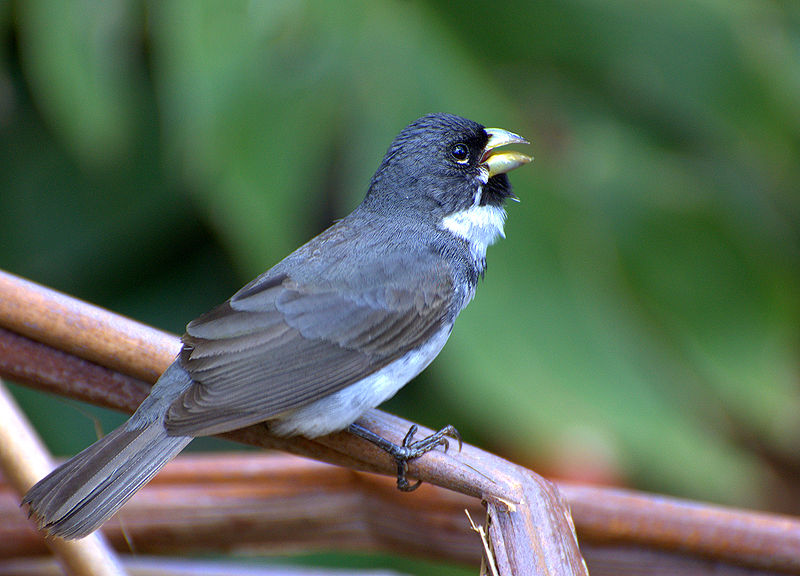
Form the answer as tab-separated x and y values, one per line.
273	503
24	460
519	498
278	504
608	515
143	566
634	525
83	330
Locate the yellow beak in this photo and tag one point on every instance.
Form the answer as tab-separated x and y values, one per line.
505	161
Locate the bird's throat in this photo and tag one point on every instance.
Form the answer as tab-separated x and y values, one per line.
479	226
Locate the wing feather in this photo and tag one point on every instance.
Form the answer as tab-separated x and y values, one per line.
279	344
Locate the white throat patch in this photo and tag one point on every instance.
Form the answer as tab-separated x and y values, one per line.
479	225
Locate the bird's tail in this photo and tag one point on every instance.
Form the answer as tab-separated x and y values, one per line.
81	494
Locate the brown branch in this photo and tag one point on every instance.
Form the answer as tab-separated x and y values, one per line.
608	516
272	503
275	503
83	330
141	566
633	523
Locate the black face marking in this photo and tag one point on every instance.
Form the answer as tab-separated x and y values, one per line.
496	191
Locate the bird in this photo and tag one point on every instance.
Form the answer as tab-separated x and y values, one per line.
331	331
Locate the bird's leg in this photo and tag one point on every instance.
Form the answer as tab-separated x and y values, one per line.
408	450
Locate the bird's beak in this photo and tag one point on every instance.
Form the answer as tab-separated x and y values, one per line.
498	162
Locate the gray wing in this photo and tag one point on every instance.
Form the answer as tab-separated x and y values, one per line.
278	345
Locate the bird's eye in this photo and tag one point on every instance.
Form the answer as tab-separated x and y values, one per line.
460	152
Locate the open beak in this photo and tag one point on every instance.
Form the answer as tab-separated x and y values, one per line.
500	162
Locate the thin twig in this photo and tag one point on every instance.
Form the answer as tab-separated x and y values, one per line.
488	563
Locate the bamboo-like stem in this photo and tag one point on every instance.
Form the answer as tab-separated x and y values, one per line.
274	503
142	566
23	460
610	516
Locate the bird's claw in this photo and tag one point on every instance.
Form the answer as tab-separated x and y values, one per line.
409	449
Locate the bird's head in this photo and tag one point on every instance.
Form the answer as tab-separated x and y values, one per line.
444	164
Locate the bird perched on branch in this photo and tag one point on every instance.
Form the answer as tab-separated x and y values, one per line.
334	329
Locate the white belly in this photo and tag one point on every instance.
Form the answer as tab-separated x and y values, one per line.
342	408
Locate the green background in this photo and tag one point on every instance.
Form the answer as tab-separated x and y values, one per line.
639	326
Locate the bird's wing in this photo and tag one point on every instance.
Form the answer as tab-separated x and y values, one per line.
278	345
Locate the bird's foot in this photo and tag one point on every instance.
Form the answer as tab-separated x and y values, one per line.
409	449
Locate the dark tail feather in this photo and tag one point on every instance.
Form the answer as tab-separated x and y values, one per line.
81	494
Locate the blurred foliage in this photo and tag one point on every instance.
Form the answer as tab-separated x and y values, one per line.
640	324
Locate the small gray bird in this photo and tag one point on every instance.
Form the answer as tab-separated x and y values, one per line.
334	329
